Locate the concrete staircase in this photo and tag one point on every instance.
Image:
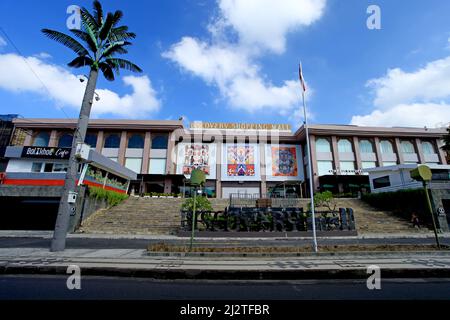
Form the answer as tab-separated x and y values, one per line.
162	216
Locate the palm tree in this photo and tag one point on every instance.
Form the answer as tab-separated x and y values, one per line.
103	40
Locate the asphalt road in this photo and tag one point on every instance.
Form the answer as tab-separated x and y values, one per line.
54	287
89	243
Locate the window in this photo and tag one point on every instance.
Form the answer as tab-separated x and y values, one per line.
114	159
60	167
36	167
344	146
134	164
427	147
365	146
386	147
323	145
48	167
112	141
65	141
41	140
368	164
389	163
159	142
91	139
381	182
136	141
157	166
324	168
407	147
347	168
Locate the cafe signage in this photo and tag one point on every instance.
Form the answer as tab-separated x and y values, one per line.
46	153
240	126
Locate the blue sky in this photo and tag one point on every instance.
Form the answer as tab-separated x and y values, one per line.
236	61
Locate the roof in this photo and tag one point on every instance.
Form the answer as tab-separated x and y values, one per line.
122	124
353	130
407	166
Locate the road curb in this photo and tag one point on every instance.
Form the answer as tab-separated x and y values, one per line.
195	274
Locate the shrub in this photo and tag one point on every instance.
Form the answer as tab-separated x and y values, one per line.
402	203
111	197
324	199
202	204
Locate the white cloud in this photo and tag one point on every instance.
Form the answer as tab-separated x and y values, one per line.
18	74
231	65
429	83
407	115
265	23
3	42
419	98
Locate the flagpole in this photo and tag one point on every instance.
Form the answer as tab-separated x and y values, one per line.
311	189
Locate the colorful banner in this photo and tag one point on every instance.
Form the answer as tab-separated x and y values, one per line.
284	162
196	157
192	156
240	161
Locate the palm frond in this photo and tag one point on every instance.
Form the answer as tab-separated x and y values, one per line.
85	37
106	27
117	17
117	47
124	64
81	61
107	71
89	20
121	34
67	41
98	12
92	39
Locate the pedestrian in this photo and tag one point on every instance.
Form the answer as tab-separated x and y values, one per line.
415	220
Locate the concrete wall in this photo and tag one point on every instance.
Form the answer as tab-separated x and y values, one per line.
437	195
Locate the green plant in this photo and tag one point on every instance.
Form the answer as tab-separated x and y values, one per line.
111	197
401	203
324	199
202	204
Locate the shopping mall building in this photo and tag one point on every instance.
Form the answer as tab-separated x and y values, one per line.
256	159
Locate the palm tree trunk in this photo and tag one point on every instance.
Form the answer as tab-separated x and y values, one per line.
65	208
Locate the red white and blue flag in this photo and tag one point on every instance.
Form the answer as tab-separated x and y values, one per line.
300	75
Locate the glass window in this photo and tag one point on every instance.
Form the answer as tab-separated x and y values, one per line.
136	141
157	166
36	167
347	168
381	182
323	145
365	146
344	146
134	164
368	164
389	163
41	140
60	167
65	141
427	147
114	159
159	142
112	141
48	167
91	139
407	147
324	167
386	147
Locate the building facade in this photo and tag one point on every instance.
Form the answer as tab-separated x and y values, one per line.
255	159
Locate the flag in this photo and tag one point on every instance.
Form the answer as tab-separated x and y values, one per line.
300	75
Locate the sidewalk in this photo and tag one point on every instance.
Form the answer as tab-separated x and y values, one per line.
49	235
136	262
